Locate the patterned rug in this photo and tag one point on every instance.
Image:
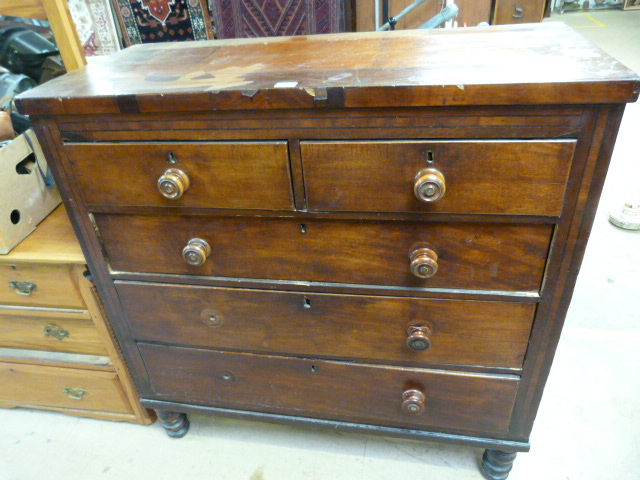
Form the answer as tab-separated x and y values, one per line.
268	18
151	21
95	25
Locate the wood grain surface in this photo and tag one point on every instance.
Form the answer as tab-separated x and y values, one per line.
474	256
338	326
55	286
508	177
377	69
26	329
331	390
221	175
43	386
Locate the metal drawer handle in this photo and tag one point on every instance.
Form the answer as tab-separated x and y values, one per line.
74	393
55	331
22	287
519	11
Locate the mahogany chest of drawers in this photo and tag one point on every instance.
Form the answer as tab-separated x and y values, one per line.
372	232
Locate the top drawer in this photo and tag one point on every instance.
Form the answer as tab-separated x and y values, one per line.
490	177
253	175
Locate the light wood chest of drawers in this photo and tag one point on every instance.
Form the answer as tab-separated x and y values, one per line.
56	349
377	233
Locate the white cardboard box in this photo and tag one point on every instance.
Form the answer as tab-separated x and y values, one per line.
25	198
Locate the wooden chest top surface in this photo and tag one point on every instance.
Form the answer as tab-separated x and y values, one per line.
523	64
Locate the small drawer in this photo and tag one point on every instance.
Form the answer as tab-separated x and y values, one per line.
469	255
518	11
58	387
252	175
400	330
402	397
486	177
37	285
51	331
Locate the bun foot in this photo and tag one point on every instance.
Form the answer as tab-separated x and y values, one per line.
496	465
175	424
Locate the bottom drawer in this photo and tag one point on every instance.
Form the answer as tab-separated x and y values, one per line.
60	387
331	390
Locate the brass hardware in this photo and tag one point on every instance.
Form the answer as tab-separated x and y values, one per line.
424	262
413	402
429	185
419	337
196	252
22	287
55	331
74	393
519	11
173	183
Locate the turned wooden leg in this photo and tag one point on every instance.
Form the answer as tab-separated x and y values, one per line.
175	424
496	465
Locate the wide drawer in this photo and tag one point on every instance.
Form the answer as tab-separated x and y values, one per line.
38	285
470	255
53	331
490	177
321	325
61	387
253	175
330	390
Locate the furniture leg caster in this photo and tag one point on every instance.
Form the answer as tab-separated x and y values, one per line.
496	465
175	424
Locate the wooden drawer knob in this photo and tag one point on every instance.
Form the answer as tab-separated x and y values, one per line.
419	337
424	262
173	183
196	252
413	402
429	185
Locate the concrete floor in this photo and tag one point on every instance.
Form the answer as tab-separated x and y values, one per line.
588	425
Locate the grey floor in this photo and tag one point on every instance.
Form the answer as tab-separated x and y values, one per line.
588	425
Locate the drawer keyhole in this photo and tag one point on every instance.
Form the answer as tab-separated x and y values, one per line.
307	302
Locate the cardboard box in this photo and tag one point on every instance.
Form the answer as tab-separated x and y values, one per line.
25	197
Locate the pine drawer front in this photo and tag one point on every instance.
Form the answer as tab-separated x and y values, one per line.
38	285
486	177
253	175
58	387
470	255
50	330
382	329
331	390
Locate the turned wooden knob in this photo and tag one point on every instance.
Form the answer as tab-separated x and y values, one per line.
196	252
173	183
419	337
413	402
429	185
424	262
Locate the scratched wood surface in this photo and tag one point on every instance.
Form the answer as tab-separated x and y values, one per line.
541	64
